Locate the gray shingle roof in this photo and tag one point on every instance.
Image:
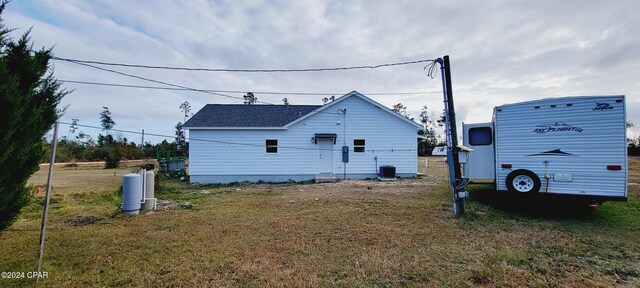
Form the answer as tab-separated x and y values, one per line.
240	115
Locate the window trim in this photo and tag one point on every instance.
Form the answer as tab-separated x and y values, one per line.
267	146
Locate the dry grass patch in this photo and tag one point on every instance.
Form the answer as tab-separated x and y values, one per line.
346	234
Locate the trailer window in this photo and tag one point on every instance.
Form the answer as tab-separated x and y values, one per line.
480	136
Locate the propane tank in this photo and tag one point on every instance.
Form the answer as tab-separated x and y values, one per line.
149	201
131	193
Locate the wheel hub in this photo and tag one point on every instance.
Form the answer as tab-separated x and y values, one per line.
523	183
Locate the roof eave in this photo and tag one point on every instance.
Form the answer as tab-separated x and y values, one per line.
234	128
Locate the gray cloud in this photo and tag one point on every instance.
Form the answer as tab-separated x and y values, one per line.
501	51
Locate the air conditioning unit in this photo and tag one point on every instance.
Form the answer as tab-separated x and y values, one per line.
387	171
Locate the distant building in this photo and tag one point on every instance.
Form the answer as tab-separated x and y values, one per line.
439	151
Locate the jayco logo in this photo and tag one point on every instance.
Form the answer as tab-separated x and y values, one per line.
556	127
602	106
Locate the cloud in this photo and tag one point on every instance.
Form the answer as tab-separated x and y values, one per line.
501	51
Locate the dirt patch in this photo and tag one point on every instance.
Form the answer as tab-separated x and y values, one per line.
82	220
165	205
170	204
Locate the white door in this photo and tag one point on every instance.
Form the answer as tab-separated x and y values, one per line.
325	146
481	162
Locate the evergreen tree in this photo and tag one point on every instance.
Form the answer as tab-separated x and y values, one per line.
112	156
180	139
250	99
185	107
105	119
428	130
29	97
402	110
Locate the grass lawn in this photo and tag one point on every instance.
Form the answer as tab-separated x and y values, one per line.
346	234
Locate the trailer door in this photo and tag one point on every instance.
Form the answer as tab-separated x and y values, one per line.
480	166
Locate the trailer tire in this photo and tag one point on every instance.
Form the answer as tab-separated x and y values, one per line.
523	181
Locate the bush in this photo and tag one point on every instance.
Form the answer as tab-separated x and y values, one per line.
112	160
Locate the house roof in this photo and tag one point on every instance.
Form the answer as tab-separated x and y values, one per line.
241	115
366	99
238	116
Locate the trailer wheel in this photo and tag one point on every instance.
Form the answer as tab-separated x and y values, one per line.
523	181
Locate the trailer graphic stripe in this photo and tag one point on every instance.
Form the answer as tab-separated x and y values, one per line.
556	152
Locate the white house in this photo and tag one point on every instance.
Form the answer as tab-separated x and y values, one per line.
279	143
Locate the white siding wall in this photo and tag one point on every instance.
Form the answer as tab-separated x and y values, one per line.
602	142
382	132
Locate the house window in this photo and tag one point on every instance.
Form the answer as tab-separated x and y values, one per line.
480	136
358	145
272	145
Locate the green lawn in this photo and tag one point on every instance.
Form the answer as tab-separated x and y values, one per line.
348	234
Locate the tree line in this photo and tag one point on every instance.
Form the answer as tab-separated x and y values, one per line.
78	146
429	125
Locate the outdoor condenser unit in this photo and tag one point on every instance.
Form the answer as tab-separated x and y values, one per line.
387	171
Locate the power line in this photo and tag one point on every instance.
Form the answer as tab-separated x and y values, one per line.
238	91
164	83
228	142
243	70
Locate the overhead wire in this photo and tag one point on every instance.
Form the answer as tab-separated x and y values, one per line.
213	92
175	86
228	142
164	83
241	70
181	87
238	91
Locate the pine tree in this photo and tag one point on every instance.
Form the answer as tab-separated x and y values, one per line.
29	97
180	138
250	99
185	107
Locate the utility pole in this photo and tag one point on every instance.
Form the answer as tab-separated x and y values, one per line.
43	227
453	160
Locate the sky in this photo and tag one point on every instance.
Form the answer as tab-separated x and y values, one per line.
501	52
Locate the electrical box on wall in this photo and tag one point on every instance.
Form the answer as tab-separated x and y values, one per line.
345	154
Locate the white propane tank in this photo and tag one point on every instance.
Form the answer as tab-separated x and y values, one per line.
131	193
149	202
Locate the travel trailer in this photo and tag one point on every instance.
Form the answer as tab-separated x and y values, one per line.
563	146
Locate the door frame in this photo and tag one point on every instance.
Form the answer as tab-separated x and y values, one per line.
326	162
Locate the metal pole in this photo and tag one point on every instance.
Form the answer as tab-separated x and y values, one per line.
43	227
452	119
453	160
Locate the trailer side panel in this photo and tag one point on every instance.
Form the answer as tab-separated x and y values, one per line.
575	145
